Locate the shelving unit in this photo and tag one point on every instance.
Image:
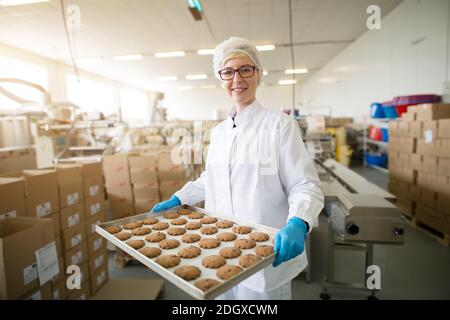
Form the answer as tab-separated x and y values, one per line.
380	146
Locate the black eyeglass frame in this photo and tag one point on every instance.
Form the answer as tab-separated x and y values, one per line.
238	70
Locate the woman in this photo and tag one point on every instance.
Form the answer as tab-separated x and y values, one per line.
257	170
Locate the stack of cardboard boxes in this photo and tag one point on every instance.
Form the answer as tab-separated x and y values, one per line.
425	177
118	185
94	199
172	176
144	178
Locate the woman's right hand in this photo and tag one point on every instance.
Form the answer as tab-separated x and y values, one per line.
174	201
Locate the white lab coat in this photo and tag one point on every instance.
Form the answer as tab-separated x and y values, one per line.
259	172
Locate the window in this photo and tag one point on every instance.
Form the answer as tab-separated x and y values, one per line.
10	68
134	106
90	95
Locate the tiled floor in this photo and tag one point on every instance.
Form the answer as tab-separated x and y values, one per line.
420	269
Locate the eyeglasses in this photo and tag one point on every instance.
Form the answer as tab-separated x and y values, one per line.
244	71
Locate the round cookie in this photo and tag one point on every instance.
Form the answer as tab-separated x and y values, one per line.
132	225
123	236
160	226
226	236
188	272
169	244
209	243
242	229
189	252
141	231
259	236
178	221
184	212
171	215
150	252
224	224
195	215
148	221
113	229
136	244
264	250
190	238
176	231
230	252
168	260
208	220
209	230
193	225
245	243
213	262
248	260
155	237
206	284
227	271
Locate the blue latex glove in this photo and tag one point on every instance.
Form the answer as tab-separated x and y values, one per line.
172	202
290	241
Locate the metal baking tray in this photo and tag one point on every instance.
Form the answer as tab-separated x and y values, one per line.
168	274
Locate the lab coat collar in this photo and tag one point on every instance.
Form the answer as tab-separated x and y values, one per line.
243	117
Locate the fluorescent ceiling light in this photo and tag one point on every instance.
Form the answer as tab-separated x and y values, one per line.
327	80
196	76
208	86
265	73
205	51
90	60
285	82
128	57
169	54
265	47
168	78
185	88
19	2
291	71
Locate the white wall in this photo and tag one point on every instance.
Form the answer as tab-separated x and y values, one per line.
202	104
385	63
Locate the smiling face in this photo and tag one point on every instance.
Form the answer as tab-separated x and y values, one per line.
241	90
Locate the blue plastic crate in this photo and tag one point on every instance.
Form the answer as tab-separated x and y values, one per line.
390	112
376	110
376	159
384	135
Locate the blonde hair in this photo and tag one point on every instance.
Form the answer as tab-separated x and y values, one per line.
236	55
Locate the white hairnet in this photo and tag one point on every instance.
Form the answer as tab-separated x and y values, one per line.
235	45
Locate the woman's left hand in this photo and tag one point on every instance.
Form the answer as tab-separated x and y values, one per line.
290	241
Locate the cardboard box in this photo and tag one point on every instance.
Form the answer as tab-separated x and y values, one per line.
443	204
144	192
403	128
393	129
416	129
139	175
42	293
74	236
165	163
433	182
95	244
444	166
428	198
402	144
99	279
400	159
403	174
91	169
426	148
433	111
121	209
425	210
92	222
144	205
428	218
82	294
70	185
444	128
94	205
72	216
429	164
77	255
145	162
406	206
399	188
40	201
171	175
443	148
93	186
168	188
59	245
416	161
62	271
59	290
55	217
20	238
123	191
410	114
12	198
115	169
98	261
